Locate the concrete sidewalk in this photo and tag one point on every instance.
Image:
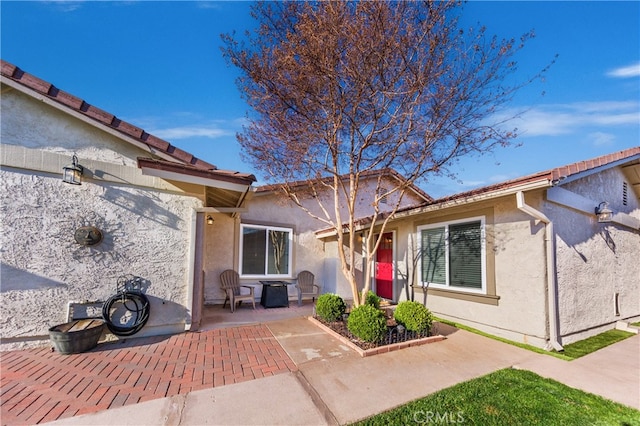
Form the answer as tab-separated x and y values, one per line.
334	385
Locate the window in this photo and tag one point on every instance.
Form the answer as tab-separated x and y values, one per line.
453	255
265	251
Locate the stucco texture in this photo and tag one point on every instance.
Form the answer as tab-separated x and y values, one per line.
596	261
146	231
514	246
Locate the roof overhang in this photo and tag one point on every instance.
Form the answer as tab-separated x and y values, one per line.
446	203
183	173
224	190
82	117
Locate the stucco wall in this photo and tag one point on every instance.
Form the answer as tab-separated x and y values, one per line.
146	230
596	261
222	244
517	270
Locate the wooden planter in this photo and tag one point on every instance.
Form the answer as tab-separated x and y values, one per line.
76	336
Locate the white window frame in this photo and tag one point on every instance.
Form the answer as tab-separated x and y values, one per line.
266	266
483	256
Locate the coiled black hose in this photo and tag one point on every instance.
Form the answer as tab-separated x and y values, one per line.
140	309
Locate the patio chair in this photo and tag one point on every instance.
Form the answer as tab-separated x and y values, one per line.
306	287
231	285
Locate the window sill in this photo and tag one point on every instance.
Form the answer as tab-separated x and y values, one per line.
487	299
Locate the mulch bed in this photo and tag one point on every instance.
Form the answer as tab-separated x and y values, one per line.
393	336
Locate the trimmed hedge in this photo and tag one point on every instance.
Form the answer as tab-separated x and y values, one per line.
367	323
330	307
372	299
413	316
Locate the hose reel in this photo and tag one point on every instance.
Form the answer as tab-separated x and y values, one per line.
127	311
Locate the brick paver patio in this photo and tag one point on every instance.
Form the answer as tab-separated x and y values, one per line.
39	385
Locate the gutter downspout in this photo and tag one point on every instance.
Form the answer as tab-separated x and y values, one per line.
552	284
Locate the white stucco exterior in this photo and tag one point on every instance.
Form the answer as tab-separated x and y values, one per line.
598	263
551	271
309	252
597	270
145	222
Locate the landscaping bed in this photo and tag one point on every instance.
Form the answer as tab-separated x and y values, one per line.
392	343
376	326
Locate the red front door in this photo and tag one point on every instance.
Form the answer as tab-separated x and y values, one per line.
384	267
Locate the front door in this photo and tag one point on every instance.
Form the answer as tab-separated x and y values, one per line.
384	267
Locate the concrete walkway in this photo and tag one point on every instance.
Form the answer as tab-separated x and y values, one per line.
330	384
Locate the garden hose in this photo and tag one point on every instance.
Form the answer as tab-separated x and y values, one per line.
134	302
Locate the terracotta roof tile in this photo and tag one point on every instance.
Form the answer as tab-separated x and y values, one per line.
181	155
129	129
97	113
550	176
155	142
32	81
7	69
105	118
65	98
188	169
374	173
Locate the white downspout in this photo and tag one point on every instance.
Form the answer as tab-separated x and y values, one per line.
551	268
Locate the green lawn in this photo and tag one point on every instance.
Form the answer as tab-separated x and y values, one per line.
571	351
509	397
592	344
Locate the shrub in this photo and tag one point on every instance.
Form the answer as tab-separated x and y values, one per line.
367	323
330	307
413	316
372	299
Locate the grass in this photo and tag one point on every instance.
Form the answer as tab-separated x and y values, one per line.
571	351
509	397
500	339
636	324
592	344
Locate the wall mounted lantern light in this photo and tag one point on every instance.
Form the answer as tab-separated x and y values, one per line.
72	173
604	213
209	220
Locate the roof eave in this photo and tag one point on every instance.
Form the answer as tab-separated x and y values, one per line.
449	203
182	173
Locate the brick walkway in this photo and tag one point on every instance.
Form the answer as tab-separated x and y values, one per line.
39	385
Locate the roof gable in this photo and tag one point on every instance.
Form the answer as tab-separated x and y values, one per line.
387	172
545	179
551	177
32	85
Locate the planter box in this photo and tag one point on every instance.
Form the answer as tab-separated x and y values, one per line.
76	336
380	349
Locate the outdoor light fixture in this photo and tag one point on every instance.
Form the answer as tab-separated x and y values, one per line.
209	220
72	173
603	212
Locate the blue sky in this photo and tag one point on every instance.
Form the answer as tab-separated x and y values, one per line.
158	65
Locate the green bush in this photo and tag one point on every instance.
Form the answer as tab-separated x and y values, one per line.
367	323
330	307
413	316
372	299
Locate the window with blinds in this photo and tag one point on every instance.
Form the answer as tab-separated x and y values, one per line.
433	258
465	255
452	255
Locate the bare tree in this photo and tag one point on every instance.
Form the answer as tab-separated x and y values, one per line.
339	89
